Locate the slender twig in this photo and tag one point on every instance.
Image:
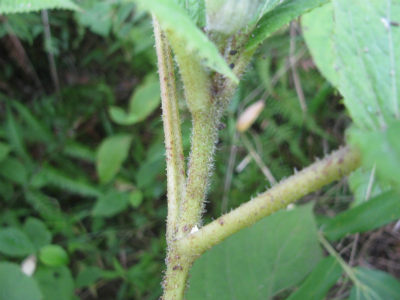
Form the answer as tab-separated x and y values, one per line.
295	74
23	59
266	171
50	53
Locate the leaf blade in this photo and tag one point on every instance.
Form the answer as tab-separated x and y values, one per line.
280	16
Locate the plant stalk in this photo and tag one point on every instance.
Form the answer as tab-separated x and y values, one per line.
312	178
172	131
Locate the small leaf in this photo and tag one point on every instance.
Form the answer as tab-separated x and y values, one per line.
317	27
57	178
111	153
88	277
55	282
42	133
14	242
319	282
12	169
53	256
258	262
370	215
25	6
111	204
135	198
38	233
4	150
374	285
367	47
144	100
173	18
279	16
15	285
79	151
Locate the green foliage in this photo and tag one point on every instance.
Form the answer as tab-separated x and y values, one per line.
383	149
370	215
174	20
48	143
142	103
15	285
15	243
55	282
317	28
37	232
281	15
229	271
111	154
374	285
111	204
25	6
366	50
364	186
319	282
53	256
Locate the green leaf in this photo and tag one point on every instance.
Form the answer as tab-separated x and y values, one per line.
111	204
75	185
374	285
88	277
42	133
281	15
80	151
196	10
37	231
12	169
56	283
370	215
15	137
111	153
135	198
258	262
319	282
175	20
144	100
97	18
14	242
367	48
47	207
317	27
15	285
25	6
4	150
53	256
380	148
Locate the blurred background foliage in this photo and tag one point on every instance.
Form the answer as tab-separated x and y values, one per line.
82	166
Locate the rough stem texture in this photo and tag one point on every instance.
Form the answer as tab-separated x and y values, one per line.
172	131
199	99
331	168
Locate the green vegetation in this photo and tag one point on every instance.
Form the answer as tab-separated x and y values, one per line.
90	174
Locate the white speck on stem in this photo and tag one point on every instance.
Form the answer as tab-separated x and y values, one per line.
385	23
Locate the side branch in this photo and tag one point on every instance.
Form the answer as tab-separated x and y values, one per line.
331	168
172	131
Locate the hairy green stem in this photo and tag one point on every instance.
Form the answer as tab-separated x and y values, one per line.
172	131
199	99
331	168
